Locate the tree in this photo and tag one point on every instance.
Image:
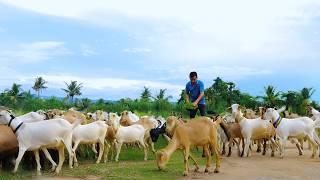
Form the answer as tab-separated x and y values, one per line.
73	89
39	84
161	95
182	98
15	92
146	94
291	100
271	98
161	101
83	103
305	95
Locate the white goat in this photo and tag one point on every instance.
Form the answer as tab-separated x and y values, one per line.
92	133
55	133
133	116
129	134
253	129
35	117
293	128
315	113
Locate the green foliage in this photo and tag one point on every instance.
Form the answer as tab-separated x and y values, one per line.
39	84
219	96
73	89
146	94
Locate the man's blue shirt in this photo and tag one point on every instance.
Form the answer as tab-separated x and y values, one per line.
194	91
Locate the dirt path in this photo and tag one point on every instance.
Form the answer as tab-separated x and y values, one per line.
258	167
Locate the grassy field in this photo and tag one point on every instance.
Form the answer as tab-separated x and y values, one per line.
130	166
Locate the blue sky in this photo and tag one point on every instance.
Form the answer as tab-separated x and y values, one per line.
115	48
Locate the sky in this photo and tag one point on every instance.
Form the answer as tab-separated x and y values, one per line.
115	48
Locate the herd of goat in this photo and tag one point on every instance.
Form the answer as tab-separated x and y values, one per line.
105	132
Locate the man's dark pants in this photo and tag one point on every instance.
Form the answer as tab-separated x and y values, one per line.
202	109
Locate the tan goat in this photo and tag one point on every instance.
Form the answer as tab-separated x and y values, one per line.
196	132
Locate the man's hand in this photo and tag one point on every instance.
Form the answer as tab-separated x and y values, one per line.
195	104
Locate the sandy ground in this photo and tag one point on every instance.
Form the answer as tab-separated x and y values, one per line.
258	167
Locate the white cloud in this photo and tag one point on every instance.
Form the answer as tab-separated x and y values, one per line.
86	50
34	52
189	30
137	50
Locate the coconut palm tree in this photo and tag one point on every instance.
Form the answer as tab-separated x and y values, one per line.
290	99
146	94
73	89
15	92
271	97
161	95
305	95
39	84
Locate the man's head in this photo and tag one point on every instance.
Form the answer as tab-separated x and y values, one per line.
193	77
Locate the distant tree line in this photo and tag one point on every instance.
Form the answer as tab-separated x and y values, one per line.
220	95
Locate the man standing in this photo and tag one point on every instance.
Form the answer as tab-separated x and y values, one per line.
195	95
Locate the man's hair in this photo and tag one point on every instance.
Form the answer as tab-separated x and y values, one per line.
193	74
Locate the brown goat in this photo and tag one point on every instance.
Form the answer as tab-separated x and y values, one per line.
196	132
8	142
233	131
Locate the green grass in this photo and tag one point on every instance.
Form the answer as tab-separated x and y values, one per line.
130	166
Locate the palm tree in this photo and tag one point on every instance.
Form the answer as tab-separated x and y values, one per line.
73	89
161	95
290	100
39	84
15	92
272	97
305	95
146	94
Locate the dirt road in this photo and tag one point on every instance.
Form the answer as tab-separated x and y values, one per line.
258	167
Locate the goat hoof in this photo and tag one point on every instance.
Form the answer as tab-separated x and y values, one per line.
216	171
53	168
206	171
185	173
196	169
300	154
312	156
272	155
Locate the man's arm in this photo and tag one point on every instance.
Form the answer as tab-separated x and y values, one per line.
201	95
186	94
187	98
195	103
